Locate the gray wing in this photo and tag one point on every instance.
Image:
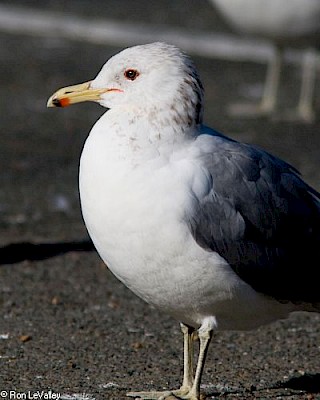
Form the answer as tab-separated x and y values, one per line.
262	218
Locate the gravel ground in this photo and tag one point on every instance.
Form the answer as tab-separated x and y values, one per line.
66	323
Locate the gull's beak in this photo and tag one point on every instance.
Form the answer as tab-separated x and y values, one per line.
75	94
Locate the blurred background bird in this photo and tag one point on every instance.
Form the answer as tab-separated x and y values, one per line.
286	24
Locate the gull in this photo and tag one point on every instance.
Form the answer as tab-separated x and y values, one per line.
294	23
217	233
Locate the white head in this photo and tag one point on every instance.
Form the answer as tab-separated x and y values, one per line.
155	77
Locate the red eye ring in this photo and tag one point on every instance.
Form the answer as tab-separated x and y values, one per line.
131	74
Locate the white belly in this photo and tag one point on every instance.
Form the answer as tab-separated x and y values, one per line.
273	18
137	221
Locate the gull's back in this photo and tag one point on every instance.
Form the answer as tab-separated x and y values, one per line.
261	217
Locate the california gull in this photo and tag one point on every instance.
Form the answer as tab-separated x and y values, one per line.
217	233
295	24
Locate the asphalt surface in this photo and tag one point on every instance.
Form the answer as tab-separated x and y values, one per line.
66	324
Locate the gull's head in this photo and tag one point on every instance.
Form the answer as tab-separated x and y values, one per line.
150	77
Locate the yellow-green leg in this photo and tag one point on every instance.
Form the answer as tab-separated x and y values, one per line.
190	389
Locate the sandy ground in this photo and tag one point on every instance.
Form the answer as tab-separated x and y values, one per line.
66	324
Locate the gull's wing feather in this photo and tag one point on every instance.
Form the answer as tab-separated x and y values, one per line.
261	217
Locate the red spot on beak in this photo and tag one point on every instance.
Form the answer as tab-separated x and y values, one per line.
64	102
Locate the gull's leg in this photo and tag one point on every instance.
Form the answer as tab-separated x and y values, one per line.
269	99
190	389
305	106
188	336
205	336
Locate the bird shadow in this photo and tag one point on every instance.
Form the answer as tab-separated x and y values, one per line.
17	252
308	382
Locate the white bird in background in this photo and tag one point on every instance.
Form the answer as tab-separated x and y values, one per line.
219	234
286	23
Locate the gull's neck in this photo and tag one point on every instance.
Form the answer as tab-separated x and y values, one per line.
140	135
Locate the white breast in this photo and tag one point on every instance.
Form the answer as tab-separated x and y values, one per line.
136	217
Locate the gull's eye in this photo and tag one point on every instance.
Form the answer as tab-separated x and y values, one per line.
131	74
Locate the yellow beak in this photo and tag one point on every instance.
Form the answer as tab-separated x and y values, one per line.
75	94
